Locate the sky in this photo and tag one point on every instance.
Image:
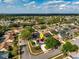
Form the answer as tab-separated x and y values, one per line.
39	6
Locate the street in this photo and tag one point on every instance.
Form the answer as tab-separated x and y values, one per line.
26	54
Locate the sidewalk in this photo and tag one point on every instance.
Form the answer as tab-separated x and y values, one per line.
56	56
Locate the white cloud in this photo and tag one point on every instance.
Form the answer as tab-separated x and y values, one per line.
8	1
31	4
9	6
63	5
52	6
52	2
76	2
25	4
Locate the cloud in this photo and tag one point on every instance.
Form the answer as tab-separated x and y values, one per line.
30	4
59	5
33	2
50	6
25	1
9	6
43	5
52	2
8	1
76	2
62	6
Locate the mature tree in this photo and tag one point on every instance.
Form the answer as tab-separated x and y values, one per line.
14	25
10	55
74	48
43	27
25	34
41	20
12	51
3	29
30	29
68	47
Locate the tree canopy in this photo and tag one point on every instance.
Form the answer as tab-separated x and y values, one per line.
25	33
68	47
3	29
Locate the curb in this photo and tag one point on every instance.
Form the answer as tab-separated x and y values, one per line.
53	57
57	56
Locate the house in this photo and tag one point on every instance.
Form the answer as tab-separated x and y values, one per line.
66	33
56	36
47	34
35	35
75	41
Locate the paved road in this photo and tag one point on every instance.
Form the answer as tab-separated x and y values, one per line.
27	55
25	52
47	55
